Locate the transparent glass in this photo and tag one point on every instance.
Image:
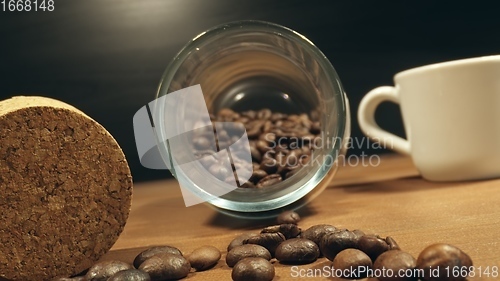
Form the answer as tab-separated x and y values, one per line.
252	65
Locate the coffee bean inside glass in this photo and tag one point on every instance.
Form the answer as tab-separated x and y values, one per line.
254	66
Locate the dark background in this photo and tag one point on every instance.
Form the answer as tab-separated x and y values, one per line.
106	57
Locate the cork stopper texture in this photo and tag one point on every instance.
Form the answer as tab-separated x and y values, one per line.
65	189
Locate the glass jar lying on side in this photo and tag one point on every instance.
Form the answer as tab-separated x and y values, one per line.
251	70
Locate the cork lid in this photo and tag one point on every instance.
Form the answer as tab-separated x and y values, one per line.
65	189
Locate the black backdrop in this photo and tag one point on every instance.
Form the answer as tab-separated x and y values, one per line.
106	57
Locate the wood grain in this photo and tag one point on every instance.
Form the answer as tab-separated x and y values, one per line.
389	199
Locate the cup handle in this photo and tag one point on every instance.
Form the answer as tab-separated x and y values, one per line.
366	119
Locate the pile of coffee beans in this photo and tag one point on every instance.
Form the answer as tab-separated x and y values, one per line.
153	264
354	255
249	269
280	144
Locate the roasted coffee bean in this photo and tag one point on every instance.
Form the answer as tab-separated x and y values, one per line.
235	117
393	245
293	158
254	128
297	251
270	154
278	126
316	232
315	128
293	117
250	114
351	261
438	257
268	125
305	150
305	121
332	243
285	135
257	175
397	261
225	113
288	217
256	155
249	250
204	257
269	180
130	275
372	245
103	270
278	116
359	233
146	254
284	169
304	160
315	115
238	240
282	148
288	230
255	166
268	138
243	120
166	266
287	124
269	165
253	269
280	161
264	114
270	241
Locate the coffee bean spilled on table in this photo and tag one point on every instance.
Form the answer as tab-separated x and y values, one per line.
252	256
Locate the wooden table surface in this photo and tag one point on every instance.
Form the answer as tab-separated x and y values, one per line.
389	200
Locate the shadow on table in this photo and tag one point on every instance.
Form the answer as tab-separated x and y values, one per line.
224	220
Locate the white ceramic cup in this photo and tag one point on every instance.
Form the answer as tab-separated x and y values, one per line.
451	115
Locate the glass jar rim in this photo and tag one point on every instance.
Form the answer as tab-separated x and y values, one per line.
287	33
